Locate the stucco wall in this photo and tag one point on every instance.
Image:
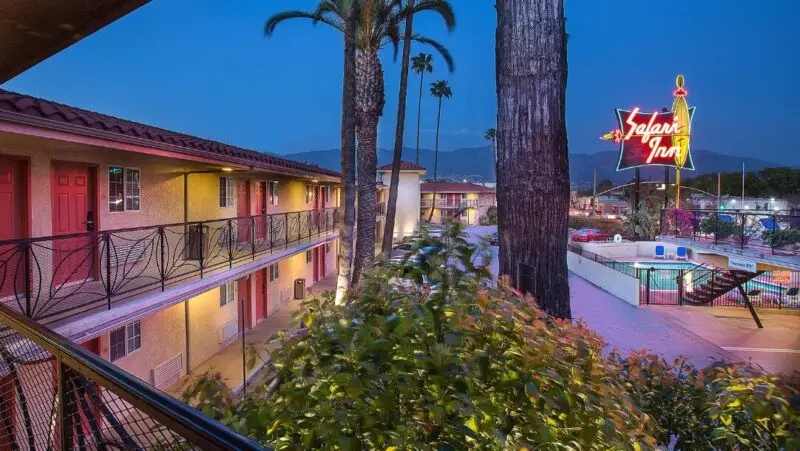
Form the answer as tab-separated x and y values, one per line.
162	185
206	319
163	337
621	251
623	286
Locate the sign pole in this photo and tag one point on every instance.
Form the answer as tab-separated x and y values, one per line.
636	203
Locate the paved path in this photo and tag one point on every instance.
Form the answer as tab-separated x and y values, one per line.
228	361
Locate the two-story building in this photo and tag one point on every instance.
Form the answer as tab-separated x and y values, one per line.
466	202
407	217
153	249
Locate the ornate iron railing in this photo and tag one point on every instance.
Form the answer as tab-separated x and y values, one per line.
775	232
455	203
52	278
55	395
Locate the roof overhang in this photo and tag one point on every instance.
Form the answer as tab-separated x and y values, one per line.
33	30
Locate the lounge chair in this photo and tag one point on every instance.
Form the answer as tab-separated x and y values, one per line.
681	254
660	253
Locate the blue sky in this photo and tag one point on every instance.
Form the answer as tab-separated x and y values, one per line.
203	67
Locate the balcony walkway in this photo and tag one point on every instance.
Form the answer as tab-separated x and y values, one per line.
228	362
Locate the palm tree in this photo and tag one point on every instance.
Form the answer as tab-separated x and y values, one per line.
378	27
532	160
491	136
391	207
440	90
421	64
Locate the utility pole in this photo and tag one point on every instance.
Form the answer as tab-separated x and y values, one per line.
742	185
719	189
594	189
636	203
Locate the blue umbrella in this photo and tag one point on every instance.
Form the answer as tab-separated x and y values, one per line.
725	218
769	224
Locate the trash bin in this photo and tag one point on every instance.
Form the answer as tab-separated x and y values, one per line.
300	288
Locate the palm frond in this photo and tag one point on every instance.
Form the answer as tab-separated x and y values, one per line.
448	58
442	7
272	22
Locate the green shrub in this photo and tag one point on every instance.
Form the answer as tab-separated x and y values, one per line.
473	366
723	229
778	238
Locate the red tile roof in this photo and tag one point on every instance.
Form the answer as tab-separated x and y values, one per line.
404	166
32	110
455	188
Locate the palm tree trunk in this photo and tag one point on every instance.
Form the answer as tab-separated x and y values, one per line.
369	107
391	207
436	160
347	195
533	166
419	110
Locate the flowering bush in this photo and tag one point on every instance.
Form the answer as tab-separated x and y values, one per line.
475	366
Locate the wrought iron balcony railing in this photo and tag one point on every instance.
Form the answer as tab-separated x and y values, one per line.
52	278
459	203
55	395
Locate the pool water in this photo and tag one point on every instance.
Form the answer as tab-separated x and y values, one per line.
661	265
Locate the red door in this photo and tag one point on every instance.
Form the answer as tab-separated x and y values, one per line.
73	258
11	228
244	296
322	261
243	211
92	345
261	293
315	262
261	209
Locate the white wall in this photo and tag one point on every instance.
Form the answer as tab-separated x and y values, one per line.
620	285
406	221
621	251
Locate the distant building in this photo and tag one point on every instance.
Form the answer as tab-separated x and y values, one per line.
466	202
762	204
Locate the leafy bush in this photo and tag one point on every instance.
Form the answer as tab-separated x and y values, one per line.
723	229
778	238
475	366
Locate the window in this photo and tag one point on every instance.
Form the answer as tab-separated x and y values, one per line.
124	189
227	293
273	192
273	273
125	340
327	191
380	177
327	248
442	196
225	192
308	256
309	193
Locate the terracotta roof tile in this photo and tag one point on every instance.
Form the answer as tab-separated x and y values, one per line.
404	166
25	106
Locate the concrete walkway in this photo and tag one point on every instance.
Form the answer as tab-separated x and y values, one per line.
229	361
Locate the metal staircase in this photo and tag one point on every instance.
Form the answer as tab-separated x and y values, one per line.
714	283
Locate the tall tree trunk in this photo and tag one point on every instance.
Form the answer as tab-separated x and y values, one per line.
369	107
391	207
419	110
347	194
533	167
436	160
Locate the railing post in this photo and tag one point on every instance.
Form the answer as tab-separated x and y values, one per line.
680	287
647	286
716	226
310	221
741	234
286	243
230	243
202	253
26	250
163	270
64	415
253	236
107	239
271	232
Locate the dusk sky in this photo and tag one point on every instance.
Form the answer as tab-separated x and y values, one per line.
205	68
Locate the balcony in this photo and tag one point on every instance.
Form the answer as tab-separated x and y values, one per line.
380	209
59	396
55	279
459	203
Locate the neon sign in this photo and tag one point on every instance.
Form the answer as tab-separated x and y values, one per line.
657	138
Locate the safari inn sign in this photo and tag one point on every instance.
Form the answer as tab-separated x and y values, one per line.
657	138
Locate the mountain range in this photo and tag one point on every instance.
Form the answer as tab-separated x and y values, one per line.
475	164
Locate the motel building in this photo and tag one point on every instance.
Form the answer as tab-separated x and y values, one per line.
465	202
150	248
